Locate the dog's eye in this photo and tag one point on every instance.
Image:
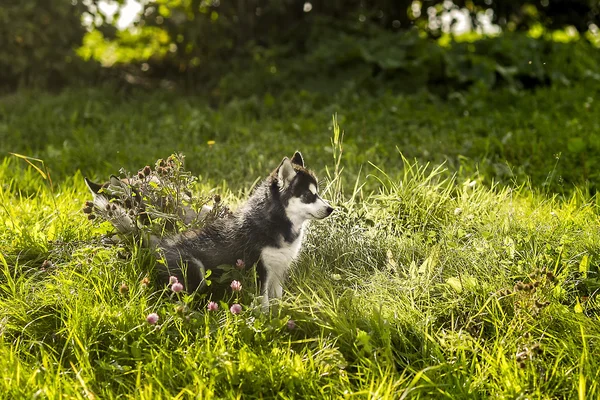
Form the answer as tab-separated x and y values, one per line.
309	197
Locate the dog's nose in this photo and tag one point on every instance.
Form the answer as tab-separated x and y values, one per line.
329	210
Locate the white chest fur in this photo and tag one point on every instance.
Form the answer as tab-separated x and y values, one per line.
277	261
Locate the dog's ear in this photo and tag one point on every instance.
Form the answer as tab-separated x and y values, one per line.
93	187
285	173
298	159
115	181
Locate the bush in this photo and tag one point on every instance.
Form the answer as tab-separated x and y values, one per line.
198	37
407	62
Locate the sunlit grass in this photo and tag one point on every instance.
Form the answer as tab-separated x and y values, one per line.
413	288
409	290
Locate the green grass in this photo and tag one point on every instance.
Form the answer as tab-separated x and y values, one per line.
407	291
545	138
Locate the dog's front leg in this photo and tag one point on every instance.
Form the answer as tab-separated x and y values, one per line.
263	275
271	283
264	300
270	289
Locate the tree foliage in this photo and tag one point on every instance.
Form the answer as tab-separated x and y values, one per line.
37	42
192	40
201	36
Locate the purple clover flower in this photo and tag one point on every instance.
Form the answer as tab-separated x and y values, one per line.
177	287
236	286
152	318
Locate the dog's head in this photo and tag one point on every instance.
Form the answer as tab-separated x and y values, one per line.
300	191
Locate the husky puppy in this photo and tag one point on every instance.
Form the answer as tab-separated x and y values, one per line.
266	231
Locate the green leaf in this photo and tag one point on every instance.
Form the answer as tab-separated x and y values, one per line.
136	349
455	284
584	265
578	308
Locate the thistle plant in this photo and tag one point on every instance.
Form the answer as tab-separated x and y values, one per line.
155	201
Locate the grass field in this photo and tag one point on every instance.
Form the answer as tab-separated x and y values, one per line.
473	276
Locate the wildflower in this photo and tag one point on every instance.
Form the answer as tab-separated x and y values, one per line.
152	318
177	287
147	170
236	286
212	306
235	309
210	143
47	264
240	264
173	280
145	282
123	289
291	324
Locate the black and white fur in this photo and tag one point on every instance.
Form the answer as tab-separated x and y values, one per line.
266	231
